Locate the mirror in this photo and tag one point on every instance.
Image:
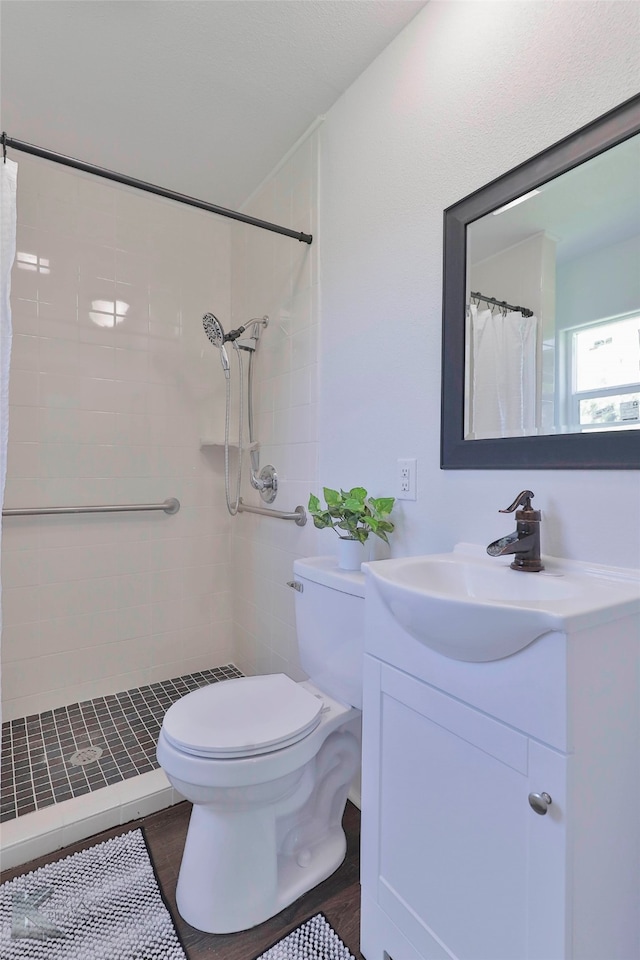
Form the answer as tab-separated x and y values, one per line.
541	309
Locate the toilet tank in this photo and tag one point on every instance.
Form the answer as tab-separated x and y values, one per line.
330	626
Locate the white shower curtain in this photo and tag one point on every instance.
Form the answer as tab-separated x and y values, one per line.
8	184
503	374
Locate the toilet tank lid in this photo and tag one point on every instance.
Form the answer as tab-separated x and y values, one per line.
325	571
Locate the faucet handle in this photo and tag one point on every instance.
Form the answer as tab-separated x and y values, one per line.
522	500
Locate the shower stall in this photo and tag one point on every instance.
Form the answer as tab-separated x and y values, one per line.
108	616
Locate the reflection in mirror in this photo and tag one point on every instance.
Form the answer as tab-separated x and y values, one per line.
562	355
541	308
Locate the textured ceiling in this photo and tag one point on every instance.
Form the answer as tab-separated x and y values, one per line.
201	97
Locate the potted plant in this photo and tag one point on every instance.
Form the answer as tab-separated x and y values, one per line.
353	515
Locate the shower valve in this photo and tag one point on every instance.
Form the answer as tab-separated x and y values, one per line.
266	483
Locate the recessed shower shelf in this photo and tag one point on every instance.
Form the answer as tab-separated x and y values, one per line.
217	442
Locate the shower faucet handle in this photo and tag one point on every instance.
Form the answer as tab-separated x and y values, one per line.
266	483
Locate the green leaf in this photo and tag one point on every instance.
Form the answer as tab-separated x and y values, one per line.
382	505
358	493
357	506
331	496
314	504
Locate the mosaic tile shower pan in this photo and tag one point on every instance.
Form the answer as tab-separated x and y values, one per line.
67	752
69	773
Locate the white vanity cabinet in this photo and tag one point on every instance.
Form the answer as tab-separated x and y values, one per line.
456	863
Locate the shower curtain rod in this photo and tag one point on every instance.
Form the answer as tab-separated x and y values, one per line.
503	303
149	187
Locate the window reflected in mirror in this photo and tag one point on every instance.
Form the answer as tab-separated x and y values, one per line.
603	386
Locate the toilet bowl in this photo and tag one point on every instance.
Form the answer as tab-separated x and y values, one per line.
267	763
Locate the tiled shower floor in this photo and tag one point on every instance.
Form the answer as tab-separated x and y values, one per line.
40	753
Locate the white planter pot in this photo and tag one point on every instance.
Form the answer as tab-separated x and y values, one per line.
351	553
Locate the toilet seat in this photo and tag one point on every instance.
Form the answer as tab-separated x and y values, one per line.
244	717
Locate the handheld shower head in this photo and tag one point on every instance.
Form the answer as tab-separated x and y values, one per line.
213	329
215	333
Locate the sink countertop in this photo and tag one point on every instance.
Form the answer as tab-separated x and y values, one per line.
469	606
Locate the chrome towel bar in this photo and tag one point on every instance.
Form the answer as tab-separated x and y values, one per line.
298	514
169	506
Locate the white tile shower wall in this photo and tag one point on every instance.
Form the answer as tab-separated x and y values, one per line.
112	383
278	276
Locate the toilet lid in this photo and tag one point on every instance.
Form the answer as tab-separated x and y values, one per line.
242	717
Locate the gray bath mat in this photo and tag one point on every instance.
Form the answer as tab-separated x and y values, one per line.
103	903
315	939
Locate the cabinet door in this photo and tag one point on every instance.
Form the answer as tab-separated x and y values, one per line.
445	807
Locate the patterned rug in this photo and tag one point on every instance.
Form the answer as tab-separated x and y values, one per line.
103	903
315	939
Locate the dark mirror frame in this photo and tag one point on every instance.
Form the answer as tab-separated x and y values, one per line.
603	451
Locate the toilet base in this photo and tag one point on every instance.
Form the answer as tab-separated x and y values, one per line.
248	902
244	862
324	860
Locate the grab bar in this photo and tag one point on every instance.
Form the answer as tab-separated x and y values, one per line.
169	506
298	514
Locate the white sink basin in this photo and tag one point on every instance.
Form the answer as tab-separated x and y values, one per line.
469	606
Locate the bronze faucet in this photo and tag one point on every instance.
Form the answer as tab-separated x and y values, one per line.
525	542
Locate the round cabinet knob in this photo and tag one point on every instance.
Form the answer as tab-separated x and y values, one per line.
540	802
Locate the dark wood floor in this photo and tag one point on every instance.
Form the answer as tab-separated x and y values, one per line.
338	897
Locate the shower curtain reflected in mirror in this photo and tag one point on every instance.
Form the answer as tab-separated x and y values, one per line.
502	374
8	183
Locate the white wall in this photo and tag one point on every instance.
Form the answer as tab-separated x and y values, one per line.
277	275
468	90
600	284
106	410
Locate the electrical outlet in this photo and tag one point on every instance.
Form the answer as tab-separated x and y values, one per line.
407	480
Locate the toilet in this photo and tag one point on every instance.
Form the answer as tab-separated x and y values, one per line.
267	763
